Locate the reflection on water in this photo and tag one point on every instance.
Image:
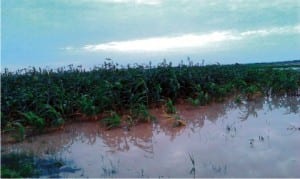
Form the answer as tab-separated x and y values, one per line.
259	138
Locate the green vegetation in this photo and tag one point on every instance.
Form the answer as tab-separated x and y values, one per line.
39	99
200	98
238	99
113	120
19	133
34	120
17	165
170	108
141	113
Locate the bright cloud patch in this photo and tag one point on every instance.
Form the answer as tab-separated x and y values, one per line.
146	2
162	43
184	41
272	31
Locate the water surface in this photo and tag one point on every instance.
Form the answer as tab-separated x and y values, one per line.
259	138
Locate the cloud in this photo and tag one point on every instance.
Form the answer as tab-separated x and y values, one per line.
185	41
162	43
68	48
272	31
144	2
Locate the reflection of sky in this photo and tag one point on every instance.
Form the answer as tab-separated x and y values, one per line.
217	152
61	32
161	150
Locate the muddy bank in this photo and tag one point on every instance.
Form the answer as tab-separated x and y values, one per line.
259	138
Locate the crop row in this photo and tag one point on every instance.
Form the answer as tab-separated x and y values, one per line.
46	98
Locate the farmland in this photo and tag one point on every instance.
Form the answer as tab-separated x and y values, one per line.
34	100
110	101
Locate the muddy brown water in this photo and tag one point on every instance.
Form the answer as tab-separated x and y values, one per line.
259	138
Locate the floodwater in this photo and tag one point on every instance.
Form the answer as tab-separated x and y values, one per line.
260	138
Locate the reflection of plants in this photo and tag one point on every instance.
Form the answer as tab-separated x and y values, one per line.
293	127
109	169
27	165
230	129
193	170
216	168
113	120
17	165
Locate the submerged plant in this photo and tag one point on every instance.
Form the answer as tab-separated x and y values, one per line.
238	99
201	98
178	121
252	92
170	108
113	120
194	102
19	131
141	113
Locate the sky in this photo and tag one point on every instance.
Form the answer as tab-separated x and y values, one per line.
57	33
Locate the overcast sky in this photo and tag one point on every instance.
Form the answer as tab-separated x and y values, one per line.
61	32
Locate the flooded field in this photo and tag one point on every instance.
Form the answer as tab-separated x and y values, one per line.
260	138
